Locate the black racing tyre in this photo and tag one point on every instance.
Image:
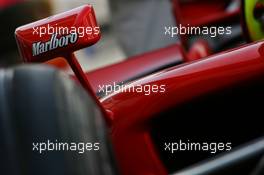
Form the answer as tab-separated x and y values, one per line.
41	106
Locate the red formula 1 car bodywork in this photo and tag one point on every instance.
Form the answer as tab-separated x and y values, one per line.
130	115
130	130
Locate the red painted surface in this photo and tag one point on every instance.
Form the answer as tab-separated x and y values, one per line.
137	66
8	3
79	17
132	111
199	49
58	62
195	13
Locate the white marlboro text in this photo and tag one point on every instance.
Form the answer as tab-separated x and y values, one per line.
53	43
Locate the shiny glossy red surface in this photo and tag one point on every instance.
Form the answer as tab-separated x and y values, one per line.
81	19
137	66
195	13
199	49
59	36
131	112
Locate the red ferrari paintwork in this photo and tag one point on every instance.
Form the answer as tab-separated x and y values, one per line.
29	34
60	38
195	13
142	65
137	66
131	112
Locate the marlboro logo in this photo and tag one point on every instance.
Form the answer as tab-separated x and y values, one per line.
54	43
